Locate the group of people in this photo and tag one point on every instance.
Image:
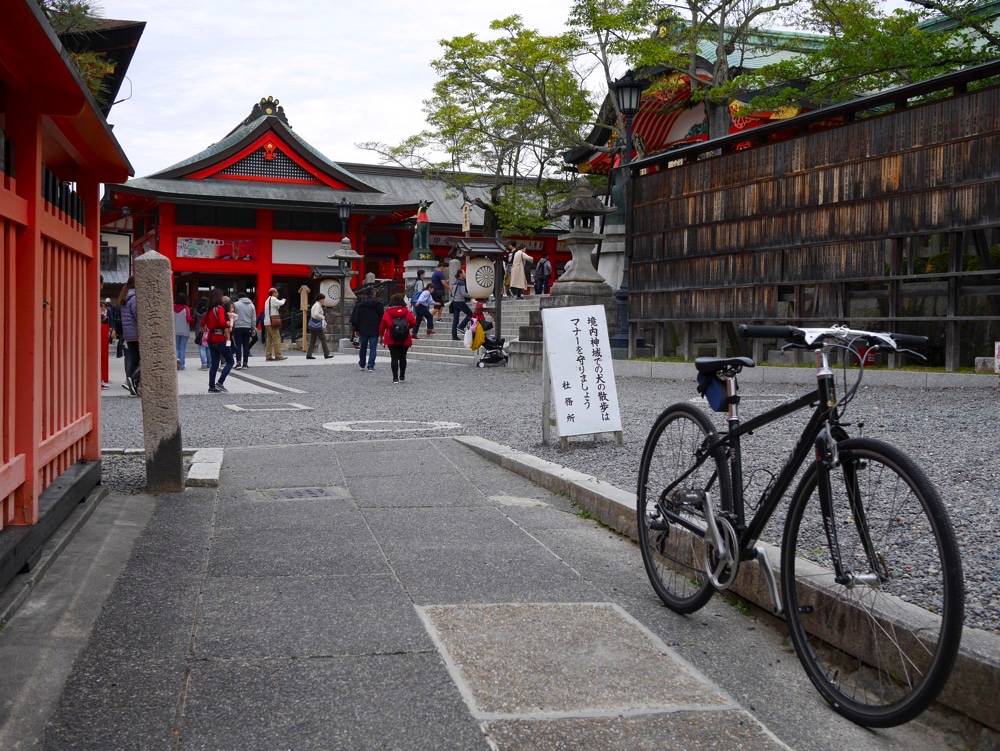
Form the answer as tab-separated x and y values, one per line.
226	330
520	269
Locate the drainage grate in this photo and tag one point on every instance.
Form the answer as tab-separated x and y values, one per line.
295	494
269	408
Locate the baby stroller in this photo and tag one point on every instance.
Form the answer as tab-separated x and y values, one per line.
490	348
491	353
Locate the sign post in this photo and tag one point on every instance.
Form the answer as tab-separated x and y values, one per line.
304	307
578	375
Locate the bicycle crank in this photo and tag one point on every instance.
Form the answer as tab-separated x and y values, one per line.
721	565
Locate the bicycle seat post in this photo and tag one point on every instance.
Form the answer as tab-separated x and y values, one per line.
733	414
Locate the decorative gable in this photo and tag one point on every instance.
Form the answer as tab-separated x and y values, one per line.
267	159
268	164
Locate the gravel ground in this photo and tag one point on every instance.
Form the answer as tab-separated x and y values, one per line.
951	433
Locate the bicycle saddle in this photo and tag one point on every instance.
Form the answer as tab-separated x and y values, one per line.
715	364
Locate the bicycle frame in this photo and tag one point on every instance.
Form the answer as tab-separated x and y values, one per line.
820	434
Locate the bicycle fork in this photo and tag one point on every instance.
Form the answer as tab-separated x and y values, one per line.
827	460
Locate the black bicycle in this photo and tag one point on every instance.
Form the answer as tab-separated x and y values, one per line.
871	576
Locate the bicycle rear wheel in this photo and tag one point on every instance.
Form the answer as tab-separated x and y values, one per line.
673	555
879	648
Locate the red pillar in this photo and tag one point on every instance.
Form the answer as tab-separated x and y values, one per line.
24	128
265	255
88	189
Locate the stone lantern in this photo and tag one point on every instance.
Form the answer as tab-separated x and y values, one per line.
581	210
345	257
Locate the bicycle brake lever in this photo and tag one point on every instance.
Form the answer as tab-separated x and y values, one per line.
911	352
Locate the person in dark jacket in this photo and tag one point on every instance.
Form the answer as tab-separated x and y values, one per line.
460	304
365	320
130	333
397	347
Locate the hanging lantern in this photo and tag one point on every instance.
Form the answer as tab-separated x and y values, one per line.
480	277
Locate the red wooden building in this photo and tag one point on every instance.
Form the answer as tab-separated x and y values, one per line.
261	208
55	150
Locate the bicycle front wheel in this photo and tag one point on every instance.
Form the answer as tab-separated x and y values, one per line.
880	645
669	477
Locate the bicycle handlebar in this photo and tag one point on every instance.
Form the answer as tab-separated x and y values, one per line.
748	331
910	340
812	338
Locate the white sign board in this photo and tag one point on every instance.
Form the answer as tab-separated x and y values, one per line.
578	361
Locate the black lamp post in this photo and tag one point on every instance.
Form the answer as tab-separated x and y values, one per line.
628	92
344	209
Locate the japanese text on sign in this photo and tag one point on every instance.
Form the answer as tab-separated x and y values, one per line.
581	371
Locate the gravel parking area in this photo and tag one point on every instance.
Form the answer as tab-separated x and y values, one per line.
951	433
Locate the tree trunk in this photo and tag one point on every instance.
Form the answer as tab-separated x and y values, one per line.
490	224
719	119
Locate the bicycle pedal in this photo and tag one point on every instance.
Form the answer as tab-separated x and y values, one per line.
658	525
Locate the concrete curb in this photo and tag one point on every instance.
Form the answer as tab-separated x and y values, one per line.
205	470
974	687
20	587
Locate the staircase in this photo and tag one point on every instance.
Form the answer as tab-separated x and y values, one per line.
442	348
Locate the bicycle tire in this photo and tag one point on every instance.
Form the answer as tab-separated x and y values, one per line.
865	659
673	556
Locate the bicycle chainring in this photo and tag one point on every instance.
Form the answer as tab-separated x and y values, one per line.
721	566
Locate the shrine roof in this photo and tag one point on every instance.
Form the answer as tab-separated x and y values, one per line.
259	194
244	134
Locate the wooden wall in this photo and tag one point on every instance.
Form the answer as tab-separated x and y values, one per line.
823	222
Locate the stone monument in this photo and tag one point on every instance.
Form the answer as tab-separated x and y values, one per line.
421	256
581	285
161	427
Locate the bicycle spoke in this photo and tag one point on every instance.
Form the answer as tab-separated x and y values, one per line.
673	472
880	645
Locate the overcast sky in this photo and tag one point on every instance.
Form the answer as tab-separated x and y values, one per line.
345	71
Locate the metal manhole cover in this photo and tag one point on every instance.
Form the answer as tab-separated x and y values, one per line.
390	426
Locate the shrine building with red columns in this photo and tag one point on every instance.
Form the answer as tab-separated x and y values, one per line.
262	208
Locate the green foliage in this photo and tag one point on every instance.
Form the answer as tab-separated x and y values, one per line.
869	50
501	113
73	16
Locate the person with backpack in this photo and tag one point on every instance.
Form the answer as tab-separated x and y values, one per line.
421	307
394	333
220	345
543	276
366	318
460	305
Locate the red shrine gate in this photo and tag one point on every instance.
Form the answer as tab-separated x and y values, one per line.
56	150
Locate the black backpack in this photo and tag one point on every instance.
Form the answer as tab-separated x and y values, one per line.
399	329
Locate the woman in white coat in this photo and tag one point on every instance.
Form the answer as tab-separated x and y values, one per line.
518	277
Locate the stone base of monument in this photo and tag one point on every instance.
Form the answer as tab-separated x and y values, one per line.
410	269
612	258
526	352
